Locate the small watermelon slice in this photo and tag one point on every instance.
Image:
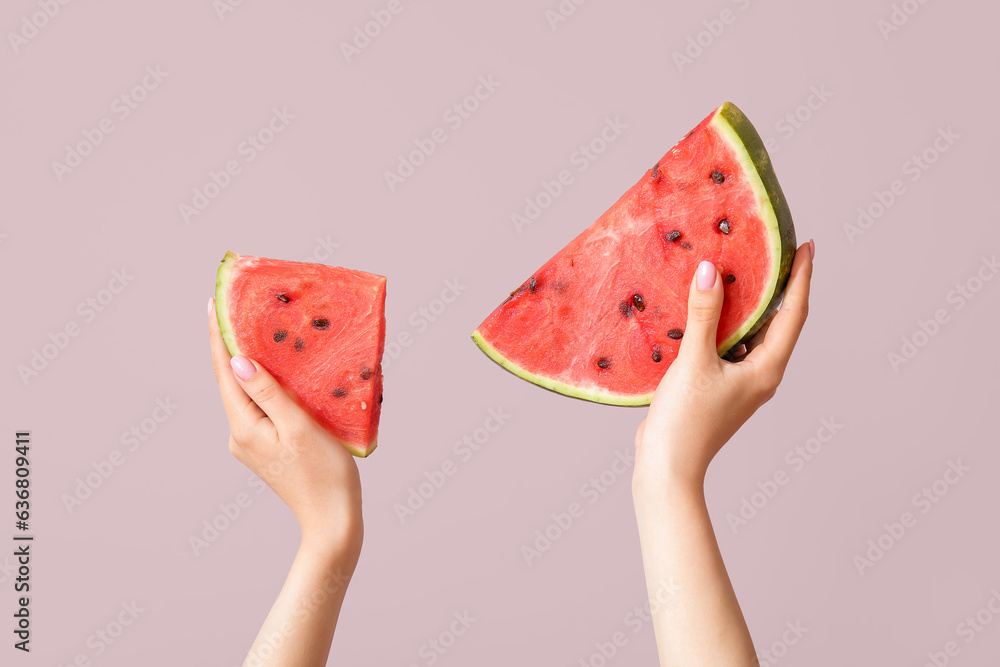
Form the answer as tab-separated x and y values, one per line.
603	319
319	330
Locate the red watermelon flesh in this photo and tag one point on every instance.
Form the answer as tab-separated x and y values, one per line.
319	330
604	318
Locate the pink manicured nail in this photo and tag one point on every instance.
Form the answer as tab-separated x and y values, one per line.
812	249
706	275
211	302
243	367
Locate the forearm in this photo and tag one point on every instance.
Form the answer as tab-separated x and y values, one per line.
701	623
299	629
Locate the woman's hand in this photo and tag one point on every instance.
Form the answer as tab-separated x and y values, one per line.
273	436
318	479
700	403
704	399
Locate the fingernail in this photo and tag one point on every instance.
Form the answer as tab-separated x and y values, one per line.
812	249
211	302
706	275
243	367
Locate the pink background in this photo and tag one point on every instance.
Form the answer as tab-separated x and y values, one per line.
322	179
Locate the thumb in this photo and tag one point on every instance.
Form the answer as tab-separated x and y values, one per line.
704	310
264	390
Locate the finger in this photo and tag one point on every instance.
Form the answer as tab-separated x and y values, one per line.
784	328
704	309
265	391
243	414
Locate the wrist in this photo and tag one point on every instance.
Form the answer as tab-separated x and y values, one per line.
335	545
662	485
325	572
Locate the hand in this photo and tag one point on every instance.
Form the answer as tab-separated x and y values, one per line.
306	466
703	399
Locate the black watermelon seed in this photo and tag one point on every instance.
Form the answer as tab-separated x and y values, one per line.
340	392
724	225
730	278
675	334
686	245
380	399
279	336
603	362
718	177
299	344
625	309
321	323
531	284
283	299
656	170
366	373
657	357
640	304
674	235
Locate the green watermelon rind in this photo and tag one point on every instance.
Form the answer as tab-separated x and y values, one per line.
733	124
752	155
224	278
595	396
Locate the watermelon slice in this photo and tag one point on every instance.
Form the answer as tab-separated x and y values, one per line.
604	318
319	330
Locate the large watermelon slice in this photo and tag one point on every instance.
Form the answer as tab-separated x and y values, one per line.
604	318
319	330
